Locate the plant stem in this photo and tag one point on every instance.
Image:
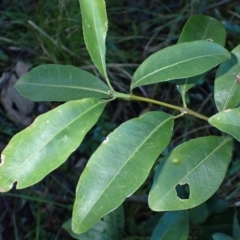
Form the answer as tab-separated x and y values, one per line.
121	95
183	110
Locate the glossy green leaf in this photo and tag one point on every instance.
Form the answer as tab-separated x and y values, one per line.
173	225
47	143
95	25
179	61
227	85
227	121
119	167
97	232
200	164
221	236
53	82
200	27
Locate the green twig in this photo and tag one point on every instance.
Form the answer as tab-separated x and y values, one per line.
183	110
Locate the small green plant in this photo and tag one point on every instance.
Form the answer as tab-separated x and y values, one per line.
124	159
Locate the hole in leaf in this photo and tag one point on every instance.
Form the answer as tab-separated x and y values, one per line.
183	191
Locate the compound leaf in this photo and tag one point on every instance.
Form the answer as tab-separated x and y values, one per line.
53	82
119	166
47	143
227	121
199	164
95	25
179	61
227	82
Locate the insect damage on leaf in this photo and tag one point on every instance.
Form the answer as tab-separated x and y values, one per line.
183	191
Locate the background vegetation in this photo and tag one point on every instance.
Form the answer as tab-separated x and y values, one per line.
37	32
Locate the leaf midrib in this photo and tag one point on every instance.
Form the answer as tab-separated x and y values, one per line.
129	158
50	139
174	64
180	180
65	86
99	45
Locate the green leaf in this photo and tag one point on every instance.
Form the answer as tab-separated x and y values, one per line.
200	164
173	225
115	223
236	227
227	88
47	143
97	232
221	236
179	61
52	82
119	167
199	214
183	85
95	25
200	27
227	121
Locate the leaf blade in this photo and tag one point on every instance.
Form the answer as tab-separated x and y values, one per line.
94	22
54	82
227	121
111	182
34	152
227	88
179	61
189	164
172	225
201	27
